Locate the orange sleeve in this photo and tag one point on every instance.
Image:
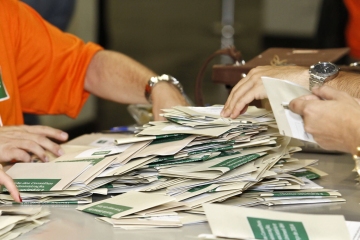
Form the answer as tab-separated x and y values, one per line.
50	66
353	27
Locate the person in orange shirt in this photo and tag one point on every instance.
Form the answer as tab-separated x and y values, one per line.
46	71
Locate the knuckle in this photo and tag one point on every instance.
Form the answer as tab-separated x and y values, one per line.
22	156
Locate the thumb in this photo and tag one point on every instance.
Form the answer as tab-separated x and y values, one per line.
297	105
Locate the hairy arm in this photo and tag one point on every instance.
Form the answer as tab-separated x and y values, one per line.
251	88
119	78
348	82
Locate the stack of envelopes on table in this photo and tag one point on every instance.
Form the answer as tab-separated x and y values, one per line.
15	221
135	210
37	182
212	160
70	178
195	157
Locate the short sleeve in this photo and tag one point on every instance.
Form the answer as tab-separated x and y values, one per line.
50	65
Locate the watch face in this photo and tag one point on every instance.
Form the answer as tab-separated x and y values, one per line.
325	68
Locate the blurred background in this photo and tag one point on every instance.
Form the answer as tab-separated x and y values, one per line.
175	37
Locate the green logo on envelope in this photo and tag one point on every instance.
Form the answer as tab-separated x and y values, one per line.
93	161
274	229
35	185
101	153
106	209
237	161
308	174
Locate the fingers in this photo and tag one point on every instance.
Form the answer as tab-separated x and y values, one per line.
16	155
310	97
298	105
240	96
329	93
47	131
39	135
34	143
20	149
233	99
10	185
244	92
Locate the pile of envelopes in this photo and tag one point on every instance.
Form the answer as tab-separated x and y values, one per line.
194	157
15	221
135	210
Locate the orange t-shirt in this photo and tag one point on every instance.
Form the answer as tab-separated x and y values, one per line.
42	70
353	27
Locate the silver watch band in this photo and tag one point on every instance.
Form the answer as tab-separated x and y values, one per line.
316	81
156	79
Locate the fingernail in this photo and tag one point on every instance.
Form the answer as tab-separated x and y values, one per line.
64	135
46	158
60	152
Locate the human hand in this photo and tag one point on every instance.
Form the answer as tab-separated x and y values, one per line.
165	95
18	142
333	121
6	181
251	87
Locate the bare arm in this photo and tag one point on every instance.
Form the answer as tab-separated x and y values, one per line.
119	78
348	82
251	87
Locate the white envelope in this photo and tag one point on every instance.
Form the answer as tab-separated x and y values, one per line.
280	93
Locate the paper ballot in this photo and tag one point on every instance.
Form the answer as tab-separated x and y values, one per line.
289	123
15	221
36	177
250	223
125	204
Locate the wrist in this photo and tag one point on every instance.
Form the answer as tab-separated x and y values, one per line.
161	82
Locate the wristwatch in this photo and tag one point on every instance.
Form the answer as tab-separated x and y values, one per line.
154	80
321	73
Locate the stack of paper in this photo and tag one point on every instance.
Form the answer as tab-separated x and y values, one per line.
15	221
35	180
194	158
136	210
70	178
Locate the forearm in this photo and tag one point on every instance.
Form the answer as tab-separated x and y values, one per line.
348	82
117	77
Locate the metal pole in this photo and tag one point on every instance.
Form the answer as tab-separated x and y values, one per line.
227	30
